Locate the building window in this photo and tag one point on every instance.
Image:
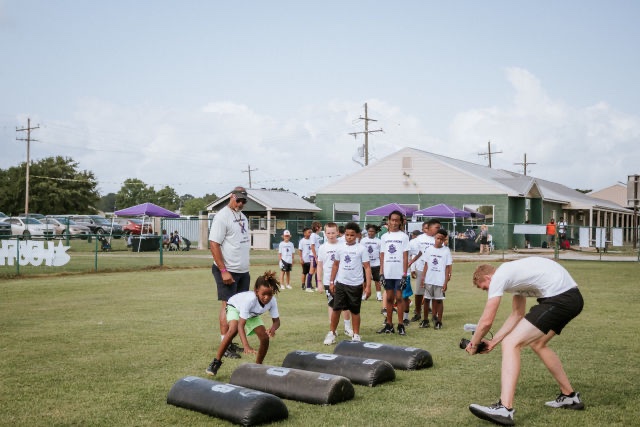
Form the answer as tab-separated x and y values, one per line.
407	163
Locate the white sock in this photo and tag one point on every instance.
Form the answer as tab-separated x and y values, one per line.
378	294
406	315
347	324
221	337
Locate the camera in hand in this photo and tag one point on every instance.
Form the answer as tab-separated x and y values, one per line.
465	342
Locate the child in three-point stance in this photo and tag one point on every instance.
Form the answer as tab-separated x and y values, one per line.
243	314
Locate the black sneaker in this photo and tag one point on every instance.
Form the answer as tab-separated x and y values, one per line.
387	329
406	322
496	413
416	317
425	324
383	311
567	402
231	354
235	348
438	325
401	330
213	367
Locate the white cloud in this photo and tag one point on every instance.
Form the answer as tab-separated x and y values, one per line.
590	147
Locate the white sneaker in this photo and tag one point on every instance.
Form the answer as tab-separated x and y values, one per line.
281	286
330	338
288	286
356	338
309	290
567	402
378	298
348	332
495	413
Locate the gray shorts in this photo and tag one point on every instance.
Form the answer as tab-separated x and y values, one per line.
434	292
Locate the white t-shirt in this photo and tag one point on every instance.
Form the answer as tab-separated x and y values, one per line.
372	247
327	255
230	230
351	258
424	242
531	277
437	260
249	306
286	250
305	246
315	241
393	246
414	248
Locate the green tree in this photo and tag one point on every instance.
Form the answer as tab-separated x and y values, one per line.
168	198
107	203
134	192
193	205
56	186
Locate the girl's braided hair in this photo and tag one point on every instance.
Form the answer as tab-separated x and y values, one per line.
268	279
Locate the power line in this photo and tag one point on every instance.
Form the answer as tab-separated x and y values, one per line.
525	164
489	153
249	170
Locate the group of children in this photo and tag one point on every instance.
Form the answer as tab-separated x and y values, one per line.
344	269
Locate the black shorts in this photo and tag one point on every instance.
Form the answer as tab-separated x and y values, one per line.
553	313
305	268
375	273
348	298
285	266
241	283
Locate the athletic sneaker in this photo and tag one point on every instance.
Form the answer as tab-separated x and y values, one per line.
231	354
416	317
235	348
401	330
425	324
330	338
496	413
288	286
378	298
281	286
567	402
383	312
356	338
405	322
213	367
438	325
309	290
387	329
348	332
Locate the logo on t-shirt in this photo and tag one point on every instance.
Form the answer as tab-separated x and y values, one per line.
370	250
347	259
392	249
435	261
333	257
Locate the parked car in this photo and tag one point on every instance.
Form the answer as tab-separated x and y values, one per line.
98	225
5	228
27	227
3	215
134	226
61	224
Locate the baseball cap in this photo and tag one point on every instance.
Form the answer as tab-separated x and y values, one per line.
286	233
240	193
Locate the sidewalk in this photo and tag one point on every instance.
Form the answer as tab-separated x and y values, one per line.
500	255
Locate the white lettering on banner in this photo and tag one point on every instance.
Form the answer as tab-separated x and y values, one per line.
278	372
326	356
33	252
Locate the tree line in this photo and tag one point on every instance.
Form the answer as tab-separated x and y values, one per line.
58	186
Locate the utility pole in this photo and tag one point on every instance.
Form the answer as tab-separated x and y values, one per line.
366	133
249	170
489	152
28	139
525	164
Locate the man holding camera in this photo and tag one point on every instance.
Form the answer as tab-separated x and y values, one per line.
559	301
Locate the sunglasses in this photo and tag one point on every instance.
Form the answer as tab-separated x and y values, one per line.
241	200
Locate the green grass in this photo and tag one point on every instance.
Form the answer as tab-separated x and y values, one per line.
104	349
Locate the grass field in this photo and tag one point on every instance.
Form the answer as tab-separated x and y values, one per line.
104	349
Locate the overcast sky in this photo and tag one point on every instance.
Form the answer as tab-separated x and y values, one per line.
192	93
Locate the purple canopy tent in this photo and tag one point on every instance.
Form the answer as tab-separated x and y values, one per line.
474	213
385	210
147	210
445	211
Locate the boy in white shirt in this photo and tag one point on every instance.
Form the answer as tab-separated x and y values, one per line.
393	270
326	258
346	284
438	265
304	245
285	258
372	244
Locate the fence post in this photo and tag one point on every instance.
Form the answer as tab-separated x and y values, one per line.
18	256
95	266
